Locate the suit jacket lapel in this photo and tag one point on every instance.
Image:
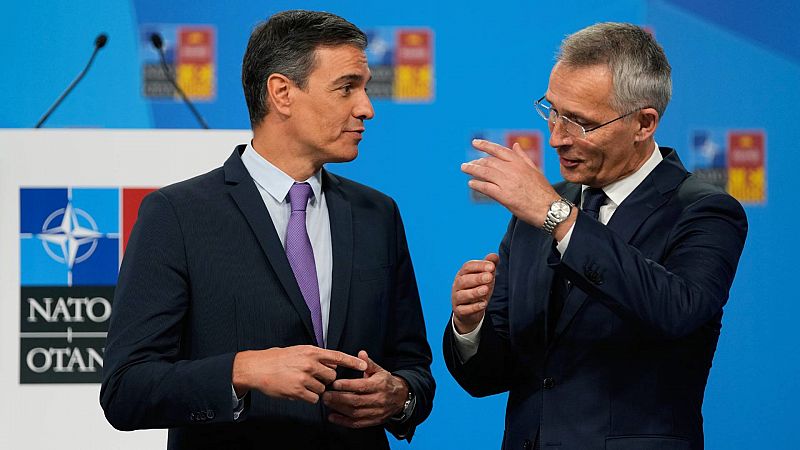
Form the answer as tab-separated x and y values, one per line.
648	196
245	195
572	304
630	215
341	217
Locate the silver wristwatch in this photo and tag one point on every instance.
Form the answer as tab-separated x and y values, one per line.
558	212
408	408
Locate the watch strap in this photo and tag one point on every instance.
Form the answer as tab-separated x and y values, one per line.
408	408
551	221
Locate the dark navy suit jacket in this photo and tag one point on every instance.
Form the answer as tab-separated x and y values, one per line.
205	276
628	361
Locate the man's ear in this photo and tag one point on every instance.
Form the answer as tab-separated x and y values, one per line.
278	94
647	121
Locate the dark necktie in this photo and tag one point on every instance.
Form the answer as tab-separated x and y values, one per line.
593	199
301	255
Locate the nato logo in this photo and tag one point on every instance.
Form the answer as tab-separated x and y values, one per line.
380	51
709	151
69	236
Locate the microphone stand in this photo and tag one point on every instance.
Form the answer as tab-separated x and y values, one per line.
99	43
158	43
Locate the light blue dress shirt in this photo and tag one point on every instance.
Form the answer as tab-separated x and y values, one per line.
273	184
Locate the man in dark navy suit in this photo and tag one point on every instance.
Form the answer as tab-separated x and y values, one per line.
601	313
269	303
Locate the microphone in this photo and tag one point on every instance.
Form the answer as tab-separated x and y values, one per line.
158	43
99	42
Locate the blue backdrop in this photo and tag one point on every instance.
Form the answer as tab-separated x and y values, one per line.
736	65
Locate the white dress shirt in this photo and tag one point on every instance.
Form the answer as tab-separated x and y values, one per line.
617	192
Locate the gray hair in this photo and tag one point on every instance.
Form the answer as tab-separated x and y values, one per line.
640	70
287	44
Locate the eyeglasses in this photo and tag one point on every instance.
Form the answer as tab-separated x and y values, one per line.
572	128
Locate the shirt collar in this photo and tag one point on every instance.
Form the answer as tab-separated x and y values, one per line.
622	188
272	179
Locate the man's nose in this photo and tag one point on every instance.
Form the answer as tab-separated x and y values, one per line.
363	109
559	136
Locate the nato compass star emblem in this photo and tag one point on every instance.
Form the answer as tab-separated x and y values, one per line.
69	236
65	239
708	150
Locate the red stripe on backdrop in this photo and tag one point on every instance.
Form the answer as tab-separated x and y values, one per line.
131	199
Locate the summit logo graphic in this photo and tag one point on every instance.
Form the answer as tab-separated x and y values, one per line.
191	57
529	140
734	160
71	243
402	64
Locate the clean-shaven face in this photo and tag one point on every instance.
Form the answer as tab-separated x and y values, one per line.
605	155
328	115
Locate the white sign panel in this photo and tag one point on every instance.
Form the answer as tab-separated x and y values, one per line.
69	199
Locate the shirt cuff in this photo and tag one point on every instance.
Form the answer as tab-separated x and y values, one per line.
467	344
238	404
564	243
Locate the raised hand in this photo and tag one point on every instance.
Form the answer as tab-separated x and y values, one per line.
472	289
508	176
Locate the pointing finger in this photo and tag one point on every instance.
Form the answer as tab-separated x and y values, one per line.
342	359
493	149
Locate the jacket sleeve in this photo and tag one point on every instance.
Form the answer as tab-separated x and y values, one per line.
676	295
147	381
408	354
491	369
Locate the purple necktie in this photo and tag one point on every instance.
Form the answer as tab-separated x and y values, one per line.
301	255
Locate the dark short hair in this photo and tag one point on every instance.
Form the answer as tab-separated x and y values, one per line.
640	71
286	44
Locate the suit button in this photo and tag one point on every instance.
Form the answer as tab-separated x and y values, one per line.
594	277
548	383
526	445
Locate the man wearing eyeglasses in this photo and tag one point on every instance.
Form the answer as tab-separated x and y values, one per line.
601	314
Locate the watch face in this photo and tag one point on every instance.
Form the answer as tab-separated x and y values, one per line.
560	210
